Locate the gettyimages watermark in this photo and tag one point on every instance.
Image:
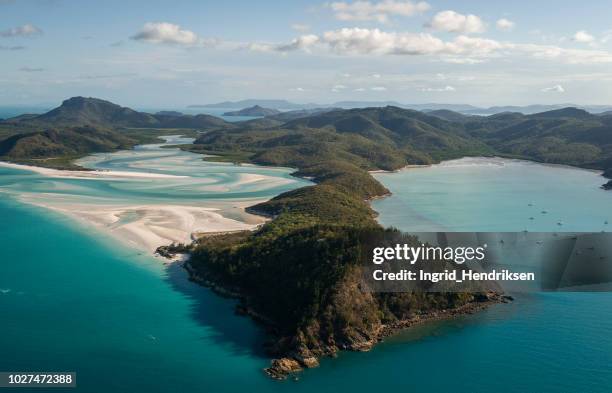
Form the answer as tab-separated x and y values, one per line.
488	261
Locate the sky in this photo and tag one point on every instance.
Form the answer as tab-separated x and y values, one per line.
166	54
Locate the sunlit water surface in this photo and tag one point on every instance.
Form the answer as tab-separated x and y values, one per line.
75	300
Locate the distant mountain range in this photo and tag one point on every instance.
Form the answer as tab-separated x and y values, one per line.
276	104
461	108
562	135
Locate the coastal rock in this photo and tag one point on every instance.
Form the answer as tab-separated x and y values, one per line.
305	357
607	186
280	368
310	362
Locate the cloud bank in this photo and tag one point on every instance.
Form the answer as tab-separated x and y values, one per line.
380	11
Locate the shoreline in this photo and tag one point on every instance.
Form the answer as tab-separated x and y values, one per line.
606	186
88	174
409	166
156	225
511	159
502	158
288	364
146	227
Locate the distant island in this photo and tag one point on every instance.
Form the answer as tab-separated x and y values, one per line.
427	107
254	110
316	232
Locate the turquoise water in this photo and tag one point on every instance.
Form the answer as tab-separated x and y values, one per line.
139	209
197	181
476	194
543	342
72	299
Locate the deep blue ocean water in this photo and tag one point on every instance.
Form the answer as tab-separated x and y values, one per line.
72	299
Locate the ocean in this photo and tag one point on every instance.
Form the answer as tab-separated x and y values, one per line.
74	299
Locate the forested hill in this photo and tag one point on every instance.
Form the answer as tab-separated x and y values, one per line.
78	111
315	239
391	137
81	126
371	138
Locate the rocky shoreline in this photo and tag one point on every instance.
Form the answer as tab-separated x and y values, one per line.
283	367
286	363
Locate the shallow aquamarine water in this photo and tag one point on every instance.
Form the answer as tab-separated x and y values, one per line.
543	342
200	182
481	194
73	299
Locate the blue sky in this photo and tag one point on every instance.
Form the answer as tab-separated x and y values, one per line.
173	54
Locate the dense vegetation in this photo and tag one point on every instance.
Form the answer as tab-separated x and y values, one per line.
81	126
300	271
53	144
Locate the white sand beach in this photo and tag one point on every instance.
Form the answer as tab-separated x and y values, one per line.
106	175
148	226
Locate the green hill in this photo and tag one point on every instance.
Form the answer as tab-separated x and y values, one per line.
55	147
80	126
93	111
96	112
315	238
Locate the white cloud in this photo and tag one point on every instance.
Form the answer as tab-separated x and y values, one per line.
462	49
438	89
377	11
454	22
260	47
300	89
554	89
339	87
377	76
375	41
504	24
300	27
360	89
378	88
583	37
27	30
569	56
302	42
169	33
